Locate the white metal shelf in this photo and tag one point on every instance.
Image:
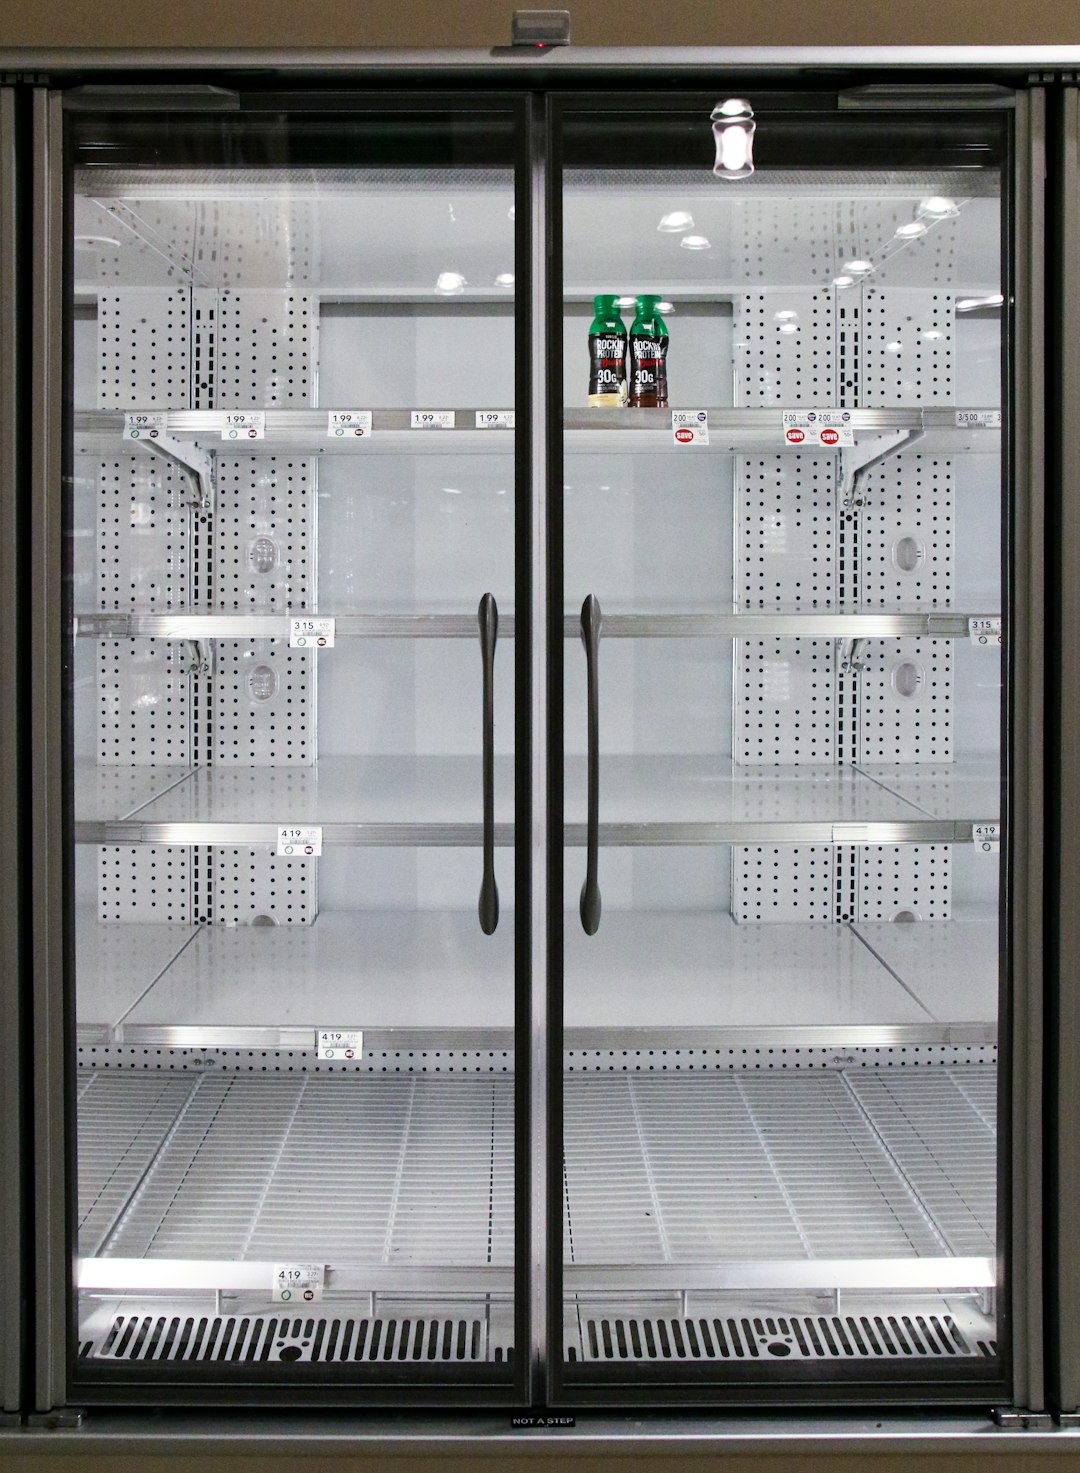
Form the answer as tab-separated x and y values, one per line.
432	980
436	800
781	1181
731	431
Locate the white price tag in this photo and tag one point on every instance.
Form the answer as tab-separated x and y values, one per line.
339	1043
348	424
978	419
244	424
829	428
311	634
984	632
297	1283
690	426
148	426
431	419
297	842
986	837
494	419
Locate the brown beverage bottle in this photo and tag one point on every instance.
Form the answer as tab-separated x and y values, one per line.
648	357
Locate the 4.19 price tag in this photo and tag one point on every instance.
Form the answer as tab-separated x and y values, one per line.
296	841
431	419
311	633
348	424
149	426
339	1043
986	837
244	424
297	1283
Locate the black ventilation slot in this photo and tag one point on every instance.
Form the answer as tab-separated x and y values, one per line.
778	1337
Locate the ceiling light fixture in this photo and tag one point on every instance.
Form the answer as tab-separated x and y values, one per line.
912	229
695	243
733	129
450	282
937	207
676	221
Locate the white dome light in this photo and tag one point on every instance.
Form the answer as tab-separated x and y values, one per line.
676	221
937	207
843	282
912	229
858	268
695	243
449	282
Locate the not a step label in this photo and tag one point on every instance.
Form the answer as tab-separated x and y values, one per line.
528	1420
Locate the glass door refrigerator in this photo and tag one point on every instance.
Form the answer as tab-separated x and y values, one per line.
535	751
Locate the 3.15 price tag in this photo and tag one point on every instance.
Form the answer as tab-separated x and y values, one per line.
348	424
311	633
494	419
244	424
986	837
339	1043
984	631
297	1283
296	841
432	419
828	428
978	419
690	426
149	426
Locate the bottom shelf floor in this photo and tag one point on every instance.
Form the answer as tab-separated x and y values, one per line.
696	1209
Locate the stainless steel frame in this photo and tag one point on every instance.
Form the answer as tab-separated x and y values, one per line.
1023	1030
1062	1282
46	641
11	1118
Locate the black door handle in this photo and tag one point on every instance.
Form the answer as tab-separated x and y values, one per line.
590	638
488	618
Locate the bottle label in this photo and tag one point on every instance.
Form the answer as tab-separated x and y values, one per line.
648	381
607	369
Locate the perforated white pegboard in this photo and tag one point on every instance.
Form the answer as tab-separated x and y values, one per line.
787	882
904	882
256	242
261	706
143	707
266	347
785	701
907	347
144	358
144	883
795	239
907	534
905	701
143	535
264	534
245	887
780	366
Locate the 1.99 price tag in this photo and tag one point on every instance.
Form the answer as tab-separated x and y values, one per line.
348	424
147	426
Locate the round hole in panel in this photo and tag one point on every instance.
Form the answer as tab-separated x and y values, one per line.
262	555
908	554
908	679
905	917
263	684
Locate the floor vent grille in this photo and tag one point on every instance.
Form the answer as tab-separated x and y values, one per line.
778	1337
268	1338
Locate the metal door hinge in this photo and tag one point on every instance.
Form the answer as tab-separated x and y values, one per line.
62	1419
1020	1420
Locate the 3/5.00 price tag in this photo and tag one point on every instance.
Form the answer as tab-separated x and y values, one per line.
297	841
297	1283
978	419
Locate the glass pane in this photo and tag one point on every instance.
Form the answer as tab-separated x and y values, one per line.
781	956
295	1076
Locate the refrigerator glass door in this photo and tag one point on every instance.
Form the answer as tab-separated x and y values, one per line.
782	582
293	531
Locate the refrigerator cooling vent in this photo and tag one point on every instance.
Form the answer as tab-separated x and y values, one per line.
796	1337
268	1338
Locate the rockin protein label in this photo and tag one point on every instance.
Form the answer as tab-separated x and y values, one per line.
648	357
607	356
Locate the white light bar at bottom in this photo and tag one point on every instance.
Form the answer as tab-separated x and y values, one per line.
133	1274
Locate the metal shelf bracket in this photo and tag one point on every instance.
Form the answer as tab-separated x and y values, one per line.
853	462
197	463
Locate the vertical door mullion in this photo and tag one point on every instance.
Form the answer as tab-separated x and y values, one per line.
46	644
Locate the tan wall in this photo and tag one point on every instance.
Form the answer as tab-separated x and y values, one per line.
353	23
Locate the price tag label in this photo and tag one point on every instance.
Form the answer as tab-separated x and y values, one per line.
690	426
297	1283
348	424
978	419
311	634
431	419
145	426
296	842
339	1043
827	428
986	837
984	632
494	419
244	424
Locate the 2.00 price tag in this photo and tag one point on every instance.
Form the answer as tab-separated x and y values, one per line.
339	1043
828	428
296	841
149	426
297	1283
690	426
431	419
311	634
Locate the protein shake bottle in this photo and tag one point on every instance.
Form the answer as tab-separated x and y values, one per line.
648	357
607	356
